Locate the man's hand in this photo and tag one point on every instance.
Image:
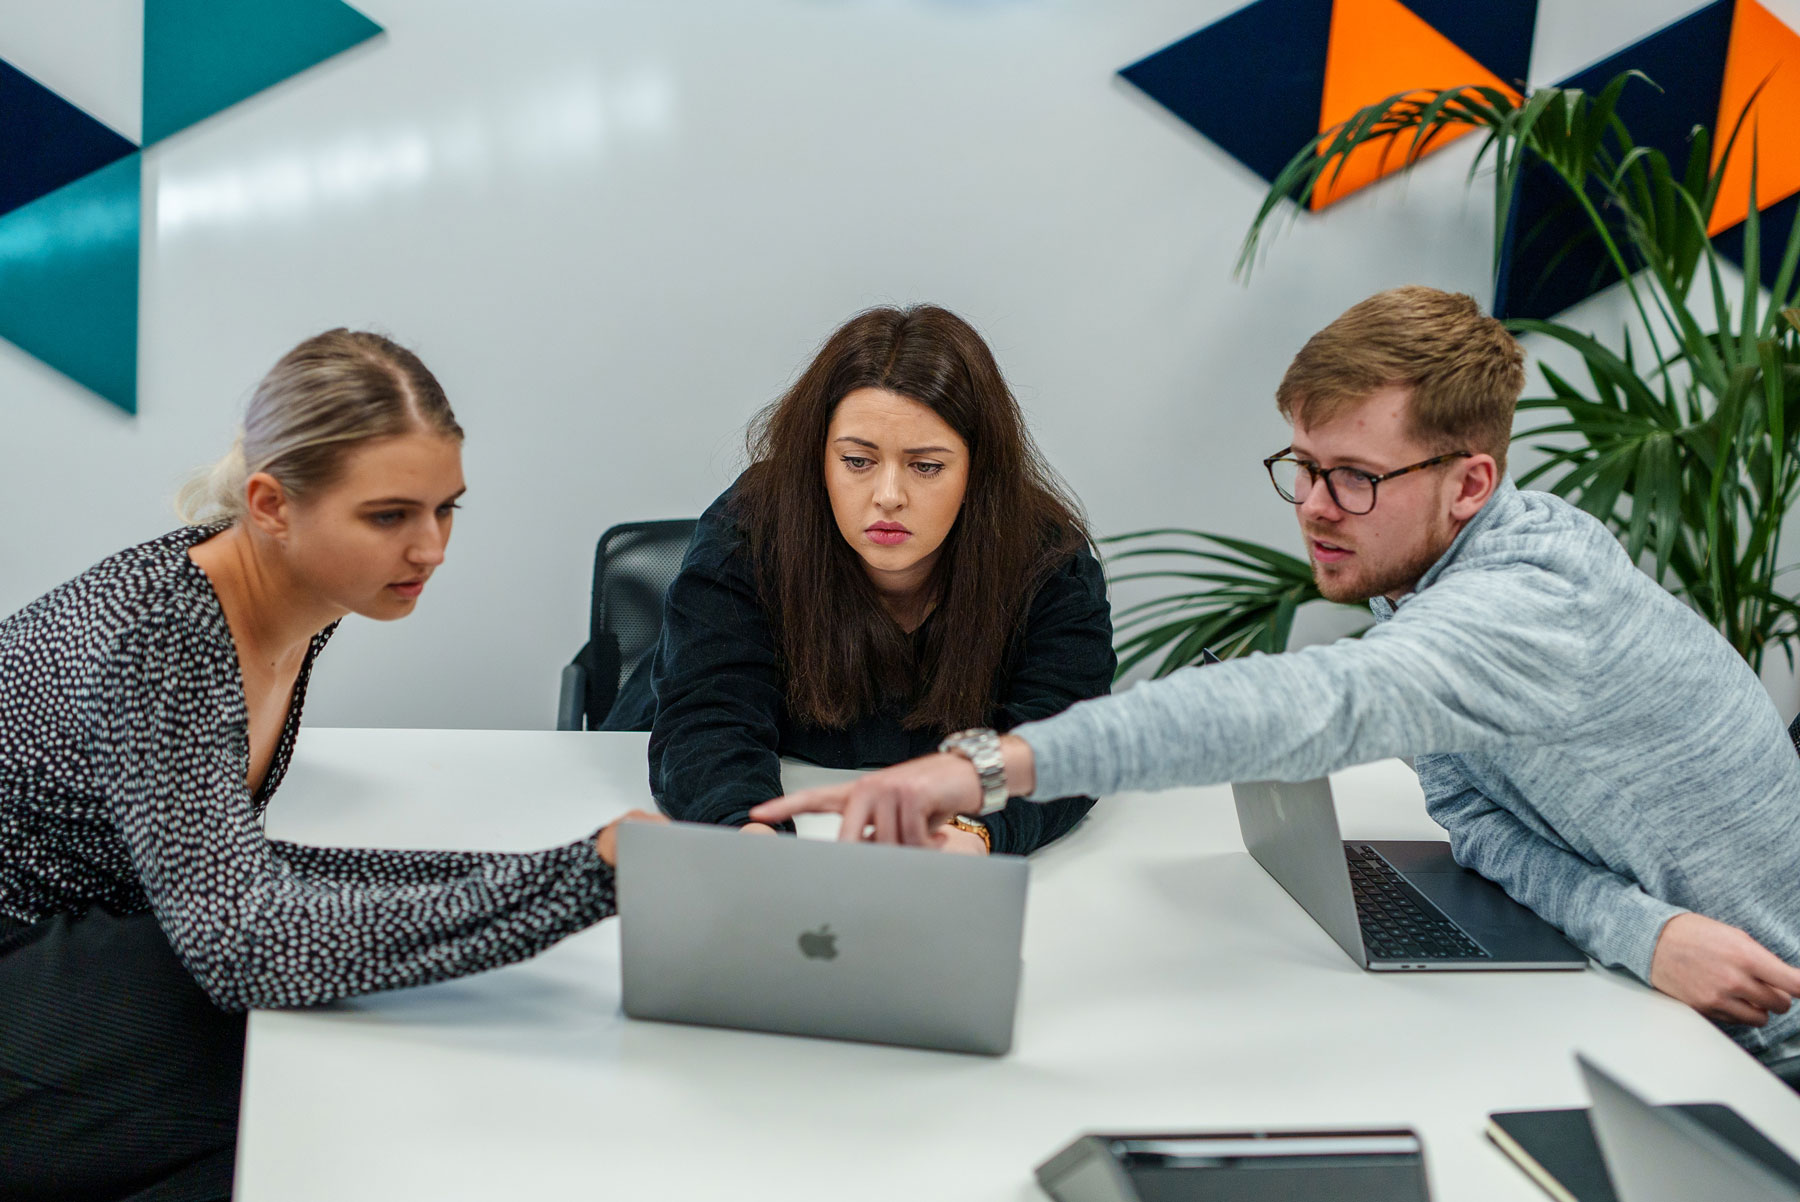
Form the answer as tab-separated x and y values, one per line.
607	841
1721	971
949	837
902	804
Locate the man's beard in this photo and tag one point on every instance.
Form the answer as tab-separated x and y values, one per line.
1394	580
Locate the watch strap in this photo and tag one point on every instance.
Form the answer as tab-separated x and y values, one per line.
979	829
981	747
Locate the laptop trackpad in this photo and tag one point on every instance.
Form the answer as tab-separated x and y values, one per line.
1508	930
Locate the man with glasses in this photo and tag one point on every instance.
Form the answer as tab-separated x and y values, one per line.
1587	740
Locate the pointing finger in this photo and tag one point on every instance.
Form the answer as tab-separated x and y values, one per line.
825	799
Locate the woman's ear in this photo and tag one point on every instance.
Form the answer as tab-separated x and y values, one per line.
266	505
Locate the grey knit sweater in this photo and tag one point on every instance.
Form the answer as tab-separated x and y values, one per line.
1588	741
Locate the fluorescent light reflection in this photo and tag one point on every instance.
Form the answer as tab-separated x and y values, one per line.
567	124
646	103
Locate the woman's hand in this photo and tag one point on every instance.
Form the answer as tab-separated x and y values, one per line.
758	828
958	842
607	841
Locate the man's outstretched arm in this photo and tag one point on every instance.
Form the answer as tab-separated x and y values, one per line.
1444	677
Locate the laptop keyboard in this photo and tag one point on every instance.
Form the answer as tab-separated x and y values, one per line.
1395	926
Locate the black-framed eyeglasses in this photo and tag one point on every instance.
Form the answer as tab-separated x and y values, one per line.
1352	489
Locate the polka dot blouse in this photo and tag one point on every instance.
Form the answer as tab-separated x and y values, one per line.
124	748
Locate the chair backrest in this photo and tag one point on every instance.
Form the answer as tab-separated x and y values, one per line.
1794	733
634	563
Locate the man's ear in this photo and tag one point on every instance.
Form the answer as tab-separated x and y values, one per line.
266	505
1475	478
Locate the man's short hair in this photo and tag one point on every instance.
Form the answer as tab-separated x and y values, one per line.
1463	367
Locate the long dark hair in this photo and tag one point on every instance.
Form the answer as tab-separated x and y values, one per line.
843	655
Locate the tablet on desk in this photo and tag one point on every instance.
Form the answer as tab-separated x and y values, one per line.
1254	1166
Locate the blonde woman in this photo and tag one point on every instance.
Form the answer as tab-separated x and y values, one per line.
149	712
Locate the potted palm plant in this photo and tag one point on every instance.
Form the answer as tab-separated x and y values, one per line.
1683	439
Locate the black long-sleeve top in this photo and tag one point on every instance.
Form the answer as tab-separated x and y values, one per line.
712	695
124	748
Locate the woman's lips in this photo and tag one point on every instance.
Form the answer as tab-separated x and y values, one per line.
888	534
410	589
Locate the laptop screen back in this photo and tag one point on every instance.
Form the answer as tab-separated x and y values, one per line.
848	941
1655	1154
1292	830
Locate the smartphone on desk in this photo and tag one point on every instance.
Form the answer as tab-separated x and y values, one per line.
1242	1166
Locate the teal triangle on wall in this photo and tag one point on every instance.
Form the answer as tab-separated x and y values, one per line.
69	279
201	56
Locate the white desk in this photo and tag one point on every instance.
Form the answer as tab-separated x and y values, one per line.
1169	984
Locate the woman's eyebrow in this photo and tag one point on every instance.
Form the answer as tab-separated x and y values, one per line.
863	442
414	501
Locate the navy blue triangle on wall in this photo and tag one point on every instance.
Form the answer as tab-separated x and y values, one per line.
1775	225
46	142
1551	259
1251	82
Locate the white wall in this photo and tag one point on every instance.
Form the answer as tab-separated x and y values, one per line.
617	229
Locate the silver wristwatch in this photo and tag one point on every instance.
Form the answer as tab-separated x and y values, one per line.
981	747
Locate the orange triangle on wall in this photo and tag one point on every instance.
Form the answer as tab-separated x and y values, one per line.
1379	48
1764	53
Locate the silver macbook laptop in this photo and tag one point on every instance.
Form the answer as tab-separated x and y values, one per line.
801	937
1658	1154
1391	904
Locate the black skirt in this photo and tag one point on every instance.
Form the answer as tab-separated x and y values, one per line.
119	1079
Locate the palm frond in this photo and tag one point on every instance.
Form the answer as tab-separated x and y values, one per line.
1255	593
1692	456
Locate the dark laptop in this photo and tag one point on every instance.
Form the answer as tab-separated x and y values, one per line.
1391	904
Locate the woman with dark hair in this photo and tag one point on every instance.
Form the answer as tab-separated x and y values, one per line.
149	711
896	564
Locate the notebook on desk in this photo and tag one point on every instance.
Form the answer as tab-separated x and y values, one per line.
1557	1148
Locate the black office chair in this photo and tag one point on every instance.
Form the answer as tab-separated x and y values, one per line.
1794	733
634	563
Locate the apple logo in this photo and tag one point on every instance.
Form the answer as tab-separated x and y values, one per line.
819	945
